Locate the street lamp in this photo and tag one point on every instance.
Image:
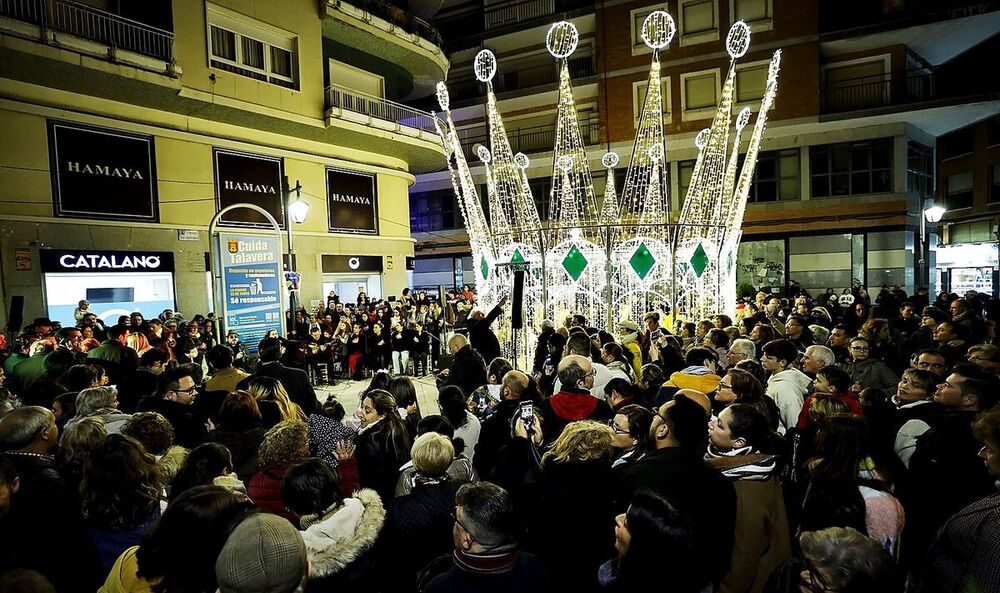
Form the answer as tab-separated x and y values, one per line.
932	214
295	210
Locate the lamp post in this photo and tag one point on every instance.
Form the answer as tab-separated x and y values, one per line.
933	215
295	211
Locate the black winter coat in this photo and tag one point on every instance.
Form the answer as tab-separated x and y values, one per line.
378	463
481	336
468	371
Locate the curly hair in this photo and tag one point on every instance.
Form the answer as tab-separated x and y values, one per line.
583	440
986	427
121	485
151	429
78	441
270	389
286	442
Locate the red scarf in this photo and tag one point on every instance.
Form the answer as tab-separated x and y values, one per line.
573	406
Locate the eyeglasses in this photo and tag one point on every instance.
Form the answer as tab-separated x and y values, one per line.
189	391
860	348
616	428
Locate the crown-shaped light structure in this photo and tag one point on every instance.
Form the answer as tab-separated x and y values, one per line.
623	256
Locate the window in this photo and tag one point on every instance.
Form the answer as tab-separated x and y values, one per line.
856	84
777	177
752	12
993	131
251	50
958	191
919	169
751	80
699	21
639	98
957	143
433	211
994	195
851	168
541	191
699	94
638	16
684	171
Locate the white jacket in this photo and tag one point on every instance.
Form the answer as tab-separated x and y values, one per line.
788	390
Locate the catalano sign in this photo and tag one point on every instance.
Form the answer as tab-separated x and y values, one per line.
56	260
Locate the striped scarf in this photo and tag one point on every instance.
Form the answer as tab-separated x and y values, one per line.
742	463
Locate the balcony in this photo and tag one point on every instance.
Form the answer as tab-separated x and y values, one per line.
410	45
878	91
69	25
465	29
531	140
515	78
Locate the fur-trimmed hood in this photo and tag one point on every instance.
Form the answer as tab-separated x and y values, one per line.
341	536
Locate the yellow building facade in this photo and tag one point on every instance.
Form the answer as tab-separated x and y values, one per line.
259	81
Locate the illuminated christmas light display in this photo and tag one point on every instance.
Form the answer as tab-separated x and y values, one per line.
621	257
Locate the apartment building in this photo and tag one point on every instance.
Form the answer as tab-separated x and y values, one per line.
849	160
128	126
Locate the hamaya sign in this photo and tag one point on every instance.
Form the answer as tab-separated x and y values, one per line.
352	201
244	178
100	172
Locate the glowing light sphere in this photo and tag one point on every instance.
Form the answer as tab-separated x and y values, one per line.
702	138
564	163
442	95
485	66
562	39
658	29
483	153
610	160
738	40
743	118
655	153
521	160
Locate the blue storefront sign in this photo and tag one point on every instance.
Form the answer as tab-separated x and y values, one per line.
251	285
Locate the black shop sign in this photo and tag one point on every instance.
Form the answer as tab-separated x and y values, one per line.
102	173
352	201
95	260
341	264
244	178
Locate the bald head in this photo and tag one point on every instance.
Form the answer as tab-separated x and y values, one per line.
697	397
513	385
457	342
576	372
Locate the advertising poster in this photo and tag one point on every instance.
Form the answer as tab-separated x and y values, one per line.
352	201
251	285
244	178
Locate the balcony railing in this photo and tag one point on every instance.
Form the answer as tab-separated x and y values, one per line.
513	78
883	90
502	14
339	97
397	16
536	139
78	20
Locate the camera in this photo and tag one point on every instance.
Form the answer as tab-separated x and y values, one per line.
528	415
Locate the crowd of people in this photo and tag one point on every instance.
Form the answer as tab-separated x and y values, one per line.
845	442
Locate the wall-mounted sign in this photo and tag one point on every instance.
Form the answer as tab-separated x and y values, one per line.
22	260
246	178
188	235
251	276
99	172
86	261
411	263
352	201
340	264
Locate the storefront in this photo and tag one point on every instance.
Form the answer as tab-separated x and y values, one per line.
114	282
349	275
965	267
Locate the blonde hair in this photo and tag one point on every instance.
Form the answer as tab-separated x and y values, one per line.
286	442
79	439
432	454
582	441
270	389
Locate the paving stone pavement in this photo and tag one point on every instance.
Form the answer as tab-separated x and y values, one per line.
347	393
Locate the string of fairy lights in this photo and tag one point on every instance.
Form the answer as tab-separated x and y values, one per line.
621	257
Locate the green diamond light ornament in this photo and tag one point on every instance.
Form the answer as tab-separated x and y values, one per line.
484	267
574	263
699	261
642	261
517	258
